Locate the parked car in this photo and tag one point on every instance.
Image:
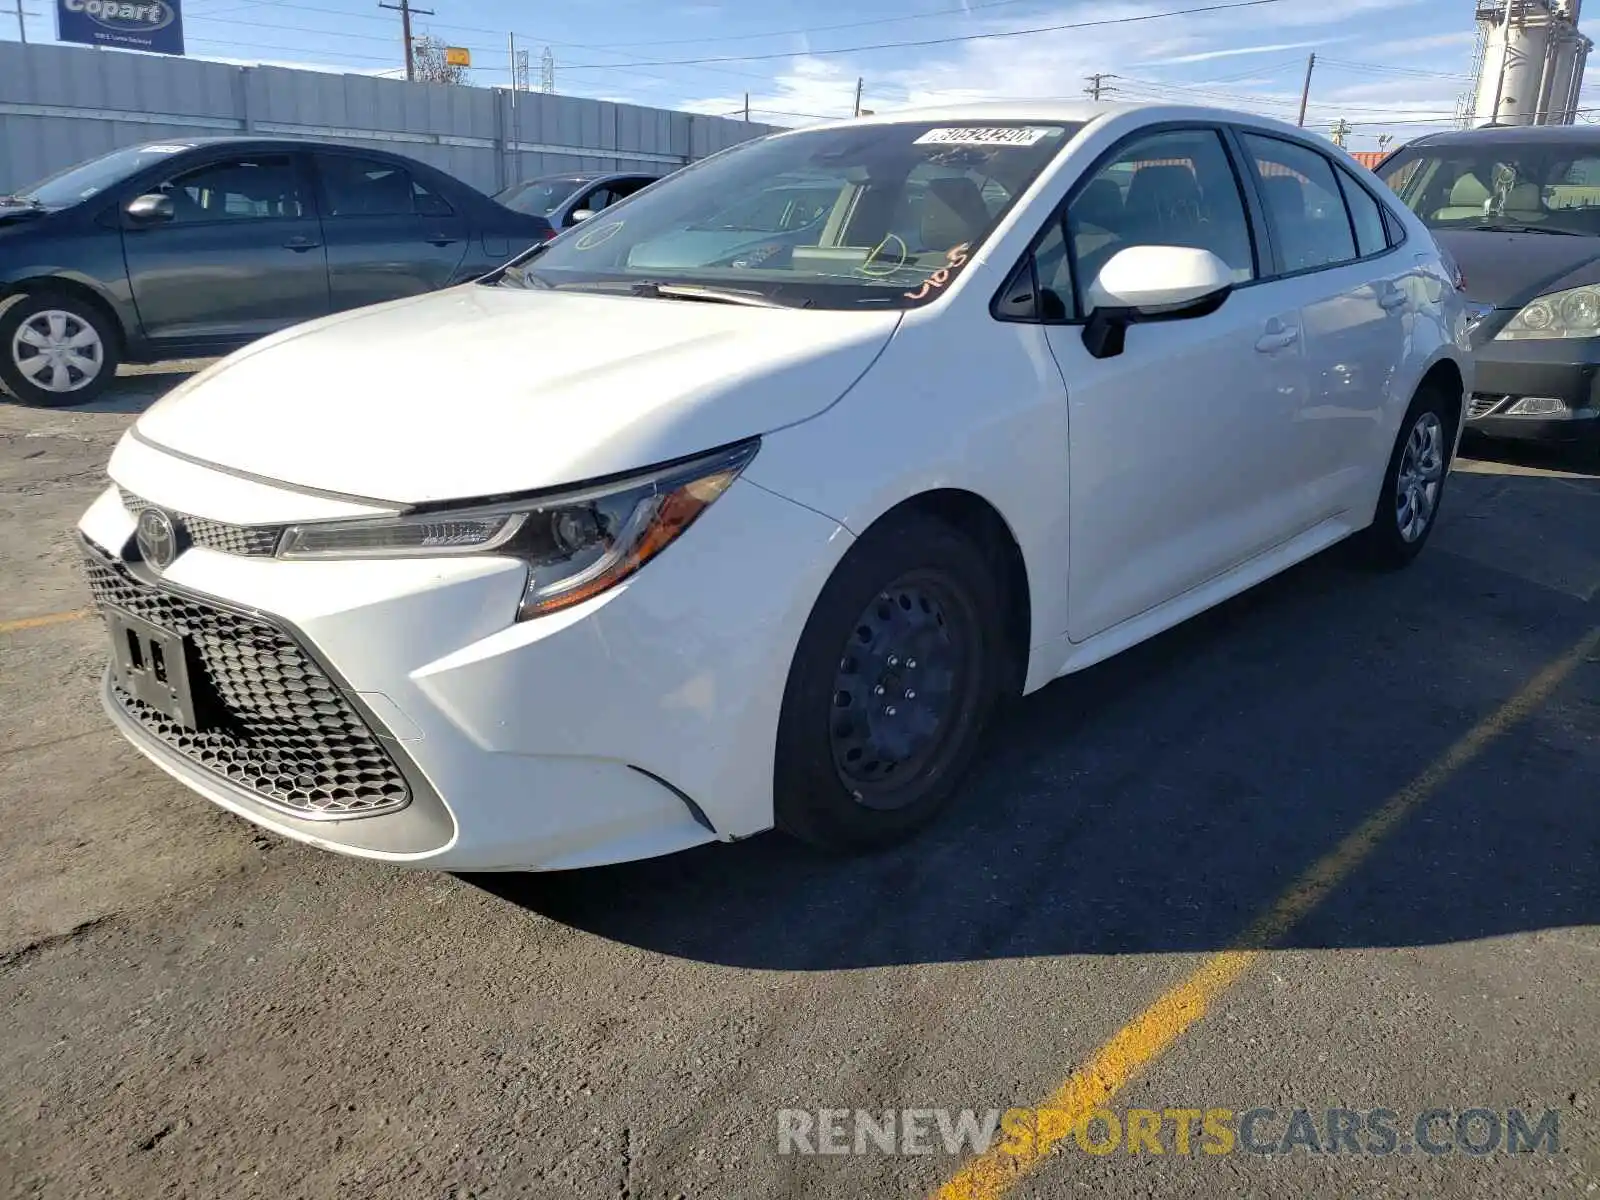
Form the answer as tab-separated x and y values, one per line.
564	200
731	547
193	248
1519	208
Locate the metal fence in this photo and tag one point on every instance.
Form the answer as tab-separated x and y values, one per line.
62	104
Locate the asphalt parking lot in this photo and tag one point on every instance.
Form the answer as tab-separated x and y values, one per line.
1333	845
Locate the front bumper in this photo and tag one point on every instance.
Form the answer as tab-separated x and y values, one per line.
637	724
1564	370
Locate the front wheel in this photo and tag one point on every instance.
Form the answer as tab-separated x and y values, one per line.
1413	484
897	671
55	350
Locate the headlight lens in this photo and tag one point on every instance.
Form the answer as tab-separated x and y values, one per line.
1571	314
576	544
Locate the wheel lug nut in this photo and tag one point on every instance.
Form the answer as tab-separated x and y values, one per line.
911	664
878	691
889	712
910	694
893	661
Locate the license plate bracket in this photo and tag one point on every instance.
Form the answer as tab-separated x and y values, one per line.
153	664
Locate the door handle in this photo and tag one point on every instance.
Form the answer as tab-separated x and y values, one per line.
1393	299
1280	338
442	239
301	243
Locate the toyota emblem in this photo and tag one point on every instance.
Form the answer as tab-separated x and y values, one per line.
157	538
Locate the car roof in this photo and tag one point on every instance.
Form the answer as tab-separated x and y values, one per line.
1513	135
1064	111
263	143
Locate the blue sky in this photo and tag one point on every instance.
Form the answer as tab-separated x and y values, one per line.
1384	65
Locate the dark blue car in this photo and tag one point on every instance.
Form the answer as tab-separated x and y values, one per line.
193	248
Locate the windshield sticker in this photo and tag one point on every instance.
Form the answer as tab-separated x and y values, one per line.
875	268
955	256
165	149
992	135
598	237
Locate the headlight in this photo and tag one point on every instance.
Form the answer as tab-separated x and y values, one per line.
577	544
1570	314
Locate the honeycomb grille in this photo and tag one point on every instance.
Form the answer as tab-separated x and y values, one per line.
279	727
1482	406
253	540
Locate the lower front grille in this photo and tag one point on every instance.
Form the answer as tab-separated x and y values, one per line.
1482	406
277	726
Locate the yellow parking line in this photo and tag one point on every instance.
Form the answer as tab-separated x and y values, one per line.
1149	1035
47	619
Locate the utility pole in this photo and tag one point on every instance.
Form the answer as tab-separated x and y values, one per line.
22	28
405	10
747	107
860	83
1340	131
1098	88
1305	92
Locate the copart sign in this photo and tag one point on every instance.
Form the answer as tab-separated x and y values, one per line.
154	25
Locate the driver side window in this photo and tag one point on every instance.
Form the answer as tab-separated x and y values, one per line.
1168	189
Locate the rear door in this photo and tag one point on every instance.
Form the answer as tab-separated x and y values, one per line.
389	233
241	257
1335	261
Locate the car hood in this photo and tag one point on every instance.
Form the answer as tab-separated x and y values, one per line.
479	391
1509	269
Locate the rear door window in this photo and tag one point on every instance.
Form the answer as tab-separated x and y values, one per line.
367	187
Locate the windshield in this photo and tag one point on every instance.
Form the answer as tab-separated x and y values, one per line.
1554	188
841	217
539	197
90	178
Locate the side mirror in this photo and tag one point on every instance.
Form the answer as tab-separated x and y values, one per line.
580	214
1152	283
150	209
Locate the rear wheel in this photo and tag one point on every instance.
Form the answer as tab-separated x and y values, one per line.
895	676
1413	484
55	349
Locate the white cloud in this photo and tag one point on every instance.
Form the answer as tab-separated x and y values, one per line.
1232	52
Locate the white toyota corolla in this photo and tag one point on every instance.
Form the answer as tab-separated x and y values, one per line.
745	502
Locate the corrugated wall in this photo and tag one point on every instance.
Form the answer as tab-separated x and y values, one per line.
62	104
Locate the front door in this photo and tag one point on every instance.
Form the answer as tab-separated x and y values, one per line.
389	234
241	257
1176	463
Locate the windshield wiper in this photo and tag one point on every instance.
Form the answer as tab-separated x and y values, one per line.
1527	229
712	295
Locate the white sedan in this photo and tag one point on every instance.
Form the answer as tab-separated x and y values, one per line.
724	511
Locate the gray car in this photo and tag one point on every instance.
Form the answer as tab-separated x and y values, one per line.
564	200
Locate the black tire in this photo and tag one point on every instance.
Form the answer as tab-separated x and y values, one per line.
926	585
1385	544
80	315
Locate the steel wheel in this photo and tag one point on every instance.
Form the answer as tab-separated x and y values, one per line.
899	687
1420	477
58	351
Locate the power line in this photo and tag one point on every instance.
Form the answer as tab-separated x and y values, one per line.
1387	69
961	38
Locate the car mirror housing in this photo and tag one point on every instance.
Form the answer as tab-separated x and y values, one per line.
151	208
581	214
1143	284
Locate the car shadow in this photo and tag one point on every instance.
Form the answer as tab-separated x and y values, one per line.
1160	801
135	389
